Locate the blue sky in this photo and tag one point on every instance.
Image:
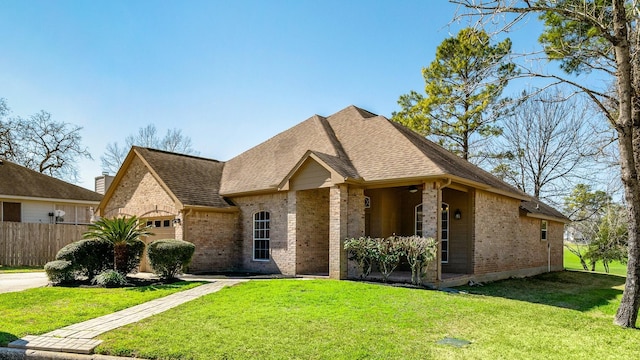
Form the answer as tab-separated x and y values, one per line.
230	74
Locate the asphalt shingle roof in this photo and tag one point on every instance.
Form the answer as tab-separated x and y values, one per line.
16	180
535	206
193	180
355	142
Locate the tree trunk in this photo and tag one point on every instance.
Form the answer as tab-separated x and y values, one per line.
627	127
584	264
120	258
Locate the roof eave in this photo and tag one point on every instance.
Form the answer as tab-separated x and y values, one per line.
548	217
34	198
211	208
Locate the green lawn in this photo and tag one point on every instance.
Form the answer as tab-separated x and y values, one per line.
19	269
37	311
571	262
564	315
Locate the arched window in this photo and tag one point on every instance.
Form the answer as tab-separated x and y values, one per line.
261	236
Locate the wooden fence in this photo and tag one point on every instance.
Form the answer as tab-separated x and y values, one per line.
23	244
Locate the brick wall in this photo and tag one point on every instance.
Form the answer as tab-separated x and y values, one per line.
138	193
509	241
312	233
283	258
215	235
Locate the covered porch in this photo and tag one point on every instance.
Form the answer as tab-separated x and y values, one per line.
437	209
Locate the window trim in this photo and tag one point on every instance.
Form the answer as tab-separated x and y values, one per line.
267	231
444	245
544	230
418	220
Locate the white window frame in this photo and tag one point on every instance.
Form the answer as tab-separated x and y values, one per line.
417	228
262	233
544	230
444	233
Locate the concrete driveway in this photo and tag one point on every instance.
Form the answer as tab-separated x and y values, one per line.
22	281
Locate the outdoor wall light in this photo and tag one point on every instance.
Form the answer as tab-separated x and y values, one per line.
413	189
457	215
176	222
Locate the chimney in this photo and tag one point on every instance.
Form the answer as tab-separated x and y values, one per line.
103	182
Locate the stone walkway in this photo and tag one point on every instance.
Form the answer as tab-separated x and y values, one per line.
79	338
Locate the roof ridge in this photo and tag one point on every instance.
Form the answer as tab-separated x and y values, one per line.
333	139
365	113
176	153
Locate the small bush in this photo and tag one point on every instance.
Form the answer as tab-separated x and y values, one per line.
420	252
387	253
135	249
88	257
362	251
59	271
170	257
110	278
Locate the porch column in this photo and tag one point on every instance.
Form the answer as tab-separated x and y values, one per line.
431	214
355	226
338	220
292	230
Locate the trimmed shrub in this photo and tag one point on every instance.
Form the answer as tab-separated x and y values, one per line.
135	249
169	257
88	257
59	271
110	278
361	250
387	253
420	252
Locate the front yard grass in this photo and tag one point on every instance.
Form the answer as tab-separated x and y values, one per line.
564	315
38	311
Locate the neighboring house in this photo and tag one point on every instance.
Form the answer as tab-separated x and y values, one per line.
28	196
287	205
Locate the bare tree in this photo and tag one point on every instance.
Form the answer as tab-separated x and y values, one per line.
546	143
173	141
601	37
42	144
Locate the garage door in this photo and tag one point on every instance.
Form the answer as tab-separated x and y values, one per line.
162	228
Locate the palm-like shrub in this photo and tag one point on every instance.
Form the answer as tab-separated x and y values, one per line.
120	232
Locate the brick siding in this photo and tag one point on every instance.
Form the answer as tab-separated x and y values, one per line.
215	235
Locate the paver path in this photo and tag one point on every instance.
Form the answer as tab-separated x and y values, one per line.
78	338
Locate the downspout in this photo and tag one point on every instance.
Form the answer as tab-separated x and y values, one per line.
447	184
548	256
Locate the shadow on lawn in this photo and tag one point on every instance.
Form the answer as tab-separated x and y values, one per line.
6	338
576	290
